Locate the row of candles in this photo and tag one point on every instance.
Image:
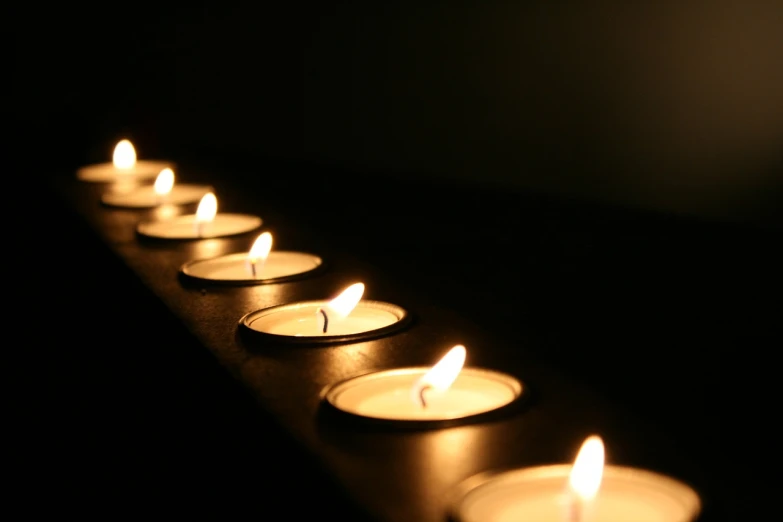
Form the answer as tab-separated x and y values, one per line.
448	392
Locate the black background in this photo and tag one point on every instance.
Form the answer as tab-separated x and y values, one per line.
674	106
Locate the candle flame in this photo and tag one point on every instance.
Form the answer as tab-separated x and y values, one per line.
261	248
124	156
164	182
207	208
588	470
344	303
441	376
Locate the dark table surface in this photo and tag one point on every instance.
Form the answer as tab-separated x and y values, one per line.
650	330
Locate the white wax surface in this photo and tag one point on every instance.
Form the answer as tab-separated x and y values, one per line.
540	495
302	321
234	267
145	197
387	395
184	227
107	172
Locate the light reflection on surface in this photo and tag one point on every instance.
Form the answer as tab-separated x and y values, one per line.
350	360
446	457
257	297
206	248
334	364
125	185
300	374
166	211
419	468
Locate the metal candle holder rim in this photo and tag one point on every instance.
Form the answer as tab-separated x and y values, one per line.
107	199
522	397
152	237
458	494
322	265
83	173
404	319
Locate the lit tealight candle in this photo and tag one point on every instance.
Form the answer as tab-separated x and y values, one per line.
124	167
258	266
163	192
445	393
587	491
205	223
345	318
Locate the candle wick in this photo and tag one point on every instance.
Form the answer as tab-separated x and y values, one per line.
253	268
326	318
575	511
421	395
